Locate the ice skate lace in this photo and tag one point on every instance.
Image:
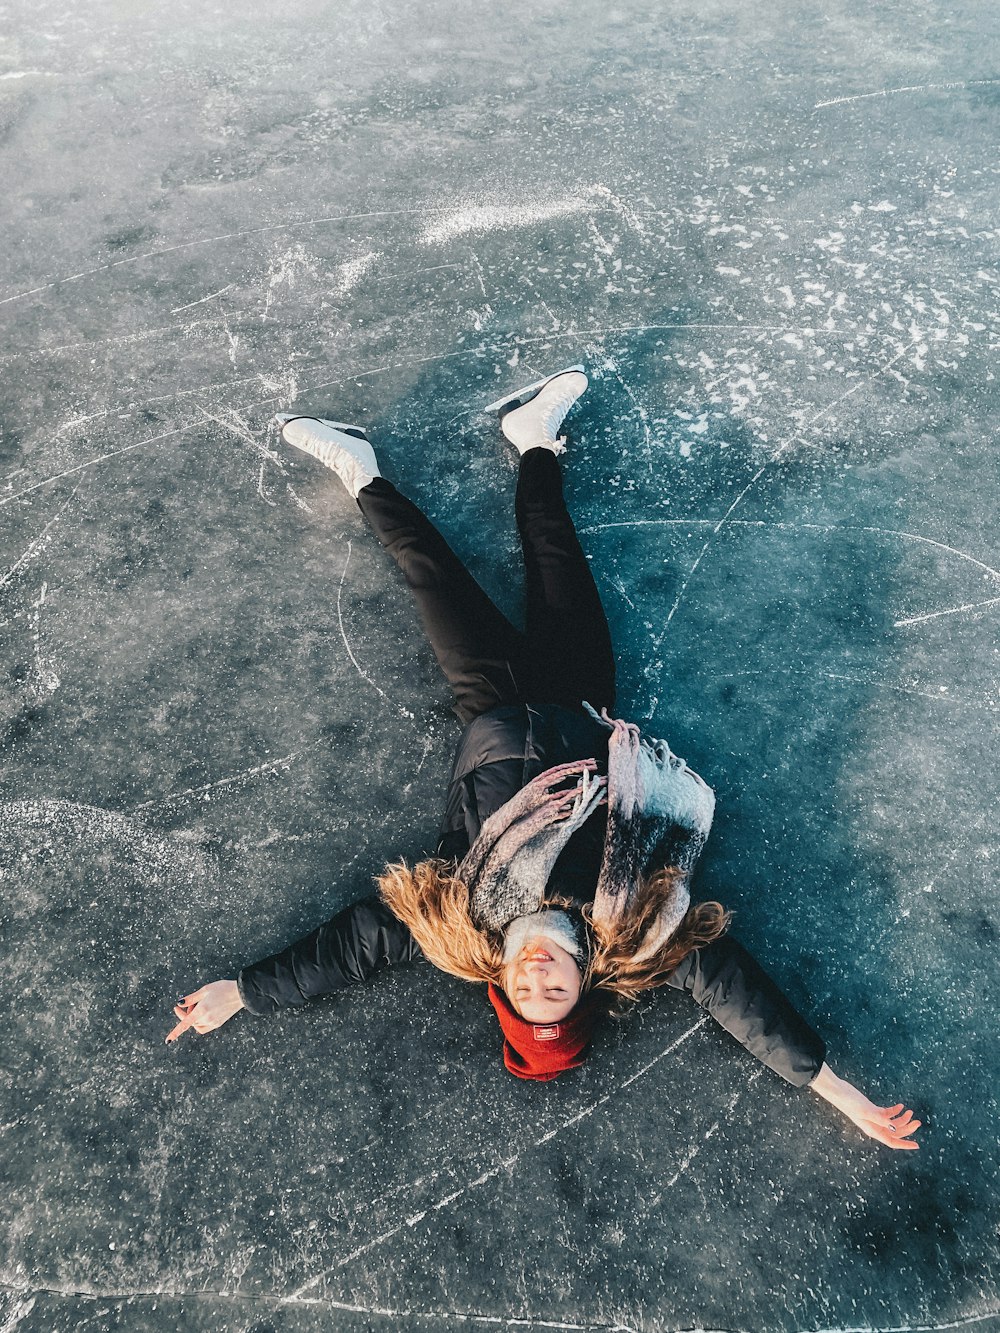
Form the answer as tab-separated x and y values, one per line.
553	416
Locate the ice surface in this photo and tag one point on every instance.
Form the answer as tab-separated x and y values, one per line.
771	235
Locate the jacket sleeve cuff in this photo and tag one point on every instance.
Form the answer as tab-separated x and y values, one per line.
802	1074
268	986
247	994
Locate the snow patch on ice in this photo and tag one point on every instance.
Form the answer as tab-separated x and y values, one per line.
477	217
483	215
351	272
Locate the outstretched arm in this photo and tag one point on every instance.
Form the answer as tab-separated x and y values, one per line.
891	1125
728	982
352	946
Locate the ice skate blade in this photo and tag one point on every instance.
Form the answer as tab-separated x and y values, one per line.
522	396
283	418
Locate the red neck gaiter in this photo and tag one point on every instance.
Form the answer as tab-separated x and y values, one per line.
543	1050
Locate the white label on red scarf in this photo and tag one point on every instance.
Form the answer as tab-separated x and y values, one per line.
550	1033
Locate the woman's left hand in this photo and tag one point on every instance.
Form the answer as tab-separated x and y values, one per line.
891	1125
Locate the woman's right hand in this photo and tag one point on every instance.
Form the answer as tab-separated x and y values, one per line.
552	777
891	1125
206	1009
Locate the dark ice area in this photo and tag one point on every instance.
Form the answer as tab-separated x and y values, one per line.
771	235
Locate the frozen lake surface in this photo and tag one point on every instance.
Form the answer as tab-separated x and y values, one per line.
771	234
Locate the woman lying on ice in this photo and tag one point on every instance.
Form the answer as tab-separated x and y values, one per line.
569	839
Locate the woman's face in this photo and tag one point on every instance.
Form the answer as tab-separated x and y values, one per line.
543	981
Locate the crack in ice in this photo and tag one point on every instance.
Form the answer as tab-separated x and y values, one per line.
496	1168
343	634
759	473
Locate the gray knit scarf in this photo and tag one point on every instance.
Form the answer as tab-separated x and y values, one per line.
659	814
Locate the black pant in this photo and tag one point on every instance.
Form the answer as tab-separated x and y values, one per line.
564	655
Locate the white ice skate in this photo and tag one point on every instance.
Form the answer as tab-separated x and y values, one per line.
341	447
531	416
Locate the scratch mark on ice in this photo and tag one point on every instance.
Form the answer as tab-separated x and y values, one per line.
201	301
951	611
657	641
24	1292
260	487
940	696
452	222
910	88
92	462
495	1169
640	408
620	586
46	680
33	547
272	766
234	341
298	499
343	634
235	425
211	240
696	1148
794	527
576	335
181	327
556	324
479	272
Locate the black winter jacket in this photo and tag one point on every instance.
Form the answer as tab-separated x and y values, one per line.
497	754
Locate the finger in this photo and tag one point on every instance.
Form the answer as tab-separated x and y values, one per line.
911	1128
194	996
186	1019
174	1033
894	1141
902	1119
892	1117
553	775
889	1136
